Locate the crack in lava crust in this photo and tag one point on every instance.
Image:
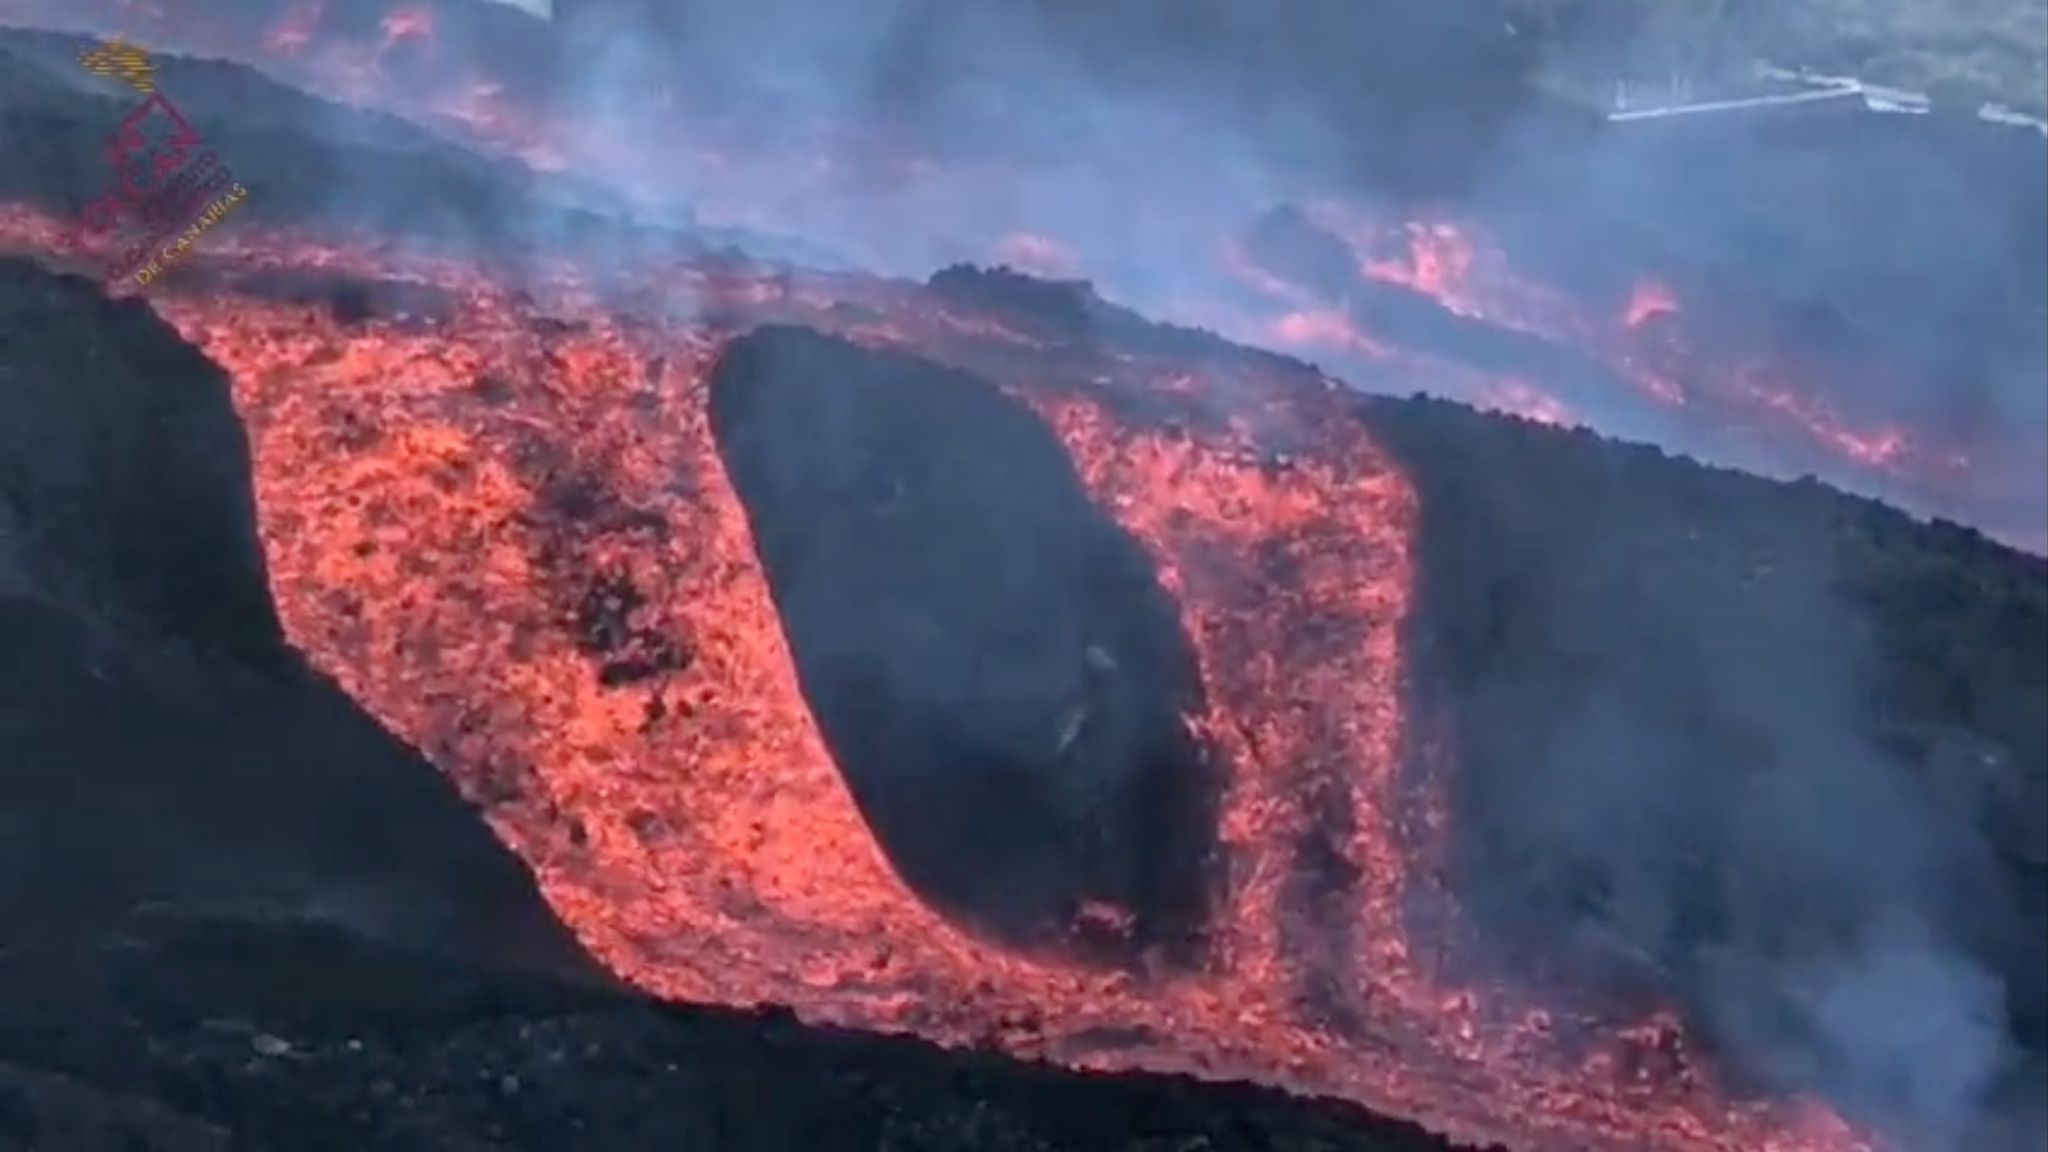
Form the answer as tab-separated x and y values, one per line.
448	504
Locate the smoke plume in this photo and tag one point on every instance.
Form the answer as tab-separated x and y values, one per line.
1671	773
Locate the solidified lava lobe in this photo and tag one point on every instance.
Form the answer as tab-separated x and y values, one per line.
991	659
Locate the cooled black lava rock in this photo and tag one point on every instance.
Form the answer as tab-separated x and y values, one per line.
1773	749
160	744
991	658
124	472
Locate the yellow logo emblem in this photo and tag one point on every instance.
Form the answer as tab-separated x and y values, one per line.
122	61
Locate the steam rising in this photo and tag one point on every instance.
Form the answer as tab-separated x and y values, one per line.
1695	797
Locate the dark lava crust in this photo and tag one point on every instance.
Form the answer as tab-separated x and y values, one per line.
1772	749
990	657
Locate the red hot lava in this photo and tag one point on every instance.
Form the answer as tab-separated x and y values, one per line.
1643	343
691	828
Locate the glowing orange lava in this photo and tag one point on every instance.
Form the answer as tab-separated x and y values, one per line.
691	828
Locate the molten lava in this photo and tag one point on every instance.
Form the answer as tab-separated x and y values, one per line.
451	496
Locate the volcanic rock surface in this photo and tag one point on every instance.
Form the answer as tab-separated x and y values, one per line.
162	742
1689	704
137	498
990	658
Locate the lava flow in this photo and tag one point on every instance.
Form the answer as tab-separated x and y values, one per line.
498	518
